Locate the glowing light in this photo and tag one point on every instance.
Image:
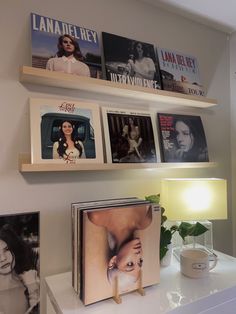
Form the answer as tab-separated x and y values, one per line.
197	198
194	198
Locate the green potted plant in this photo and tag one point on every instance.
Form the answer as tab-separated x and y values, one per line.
184	229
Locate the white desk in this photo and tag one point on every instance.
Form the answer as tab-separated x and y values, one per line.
175	294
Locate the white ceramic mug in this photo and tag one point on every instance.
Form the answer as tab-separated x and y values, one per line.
195	263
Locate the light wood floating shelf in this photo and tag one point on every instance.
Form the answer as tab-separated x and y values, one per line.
26	166
63	80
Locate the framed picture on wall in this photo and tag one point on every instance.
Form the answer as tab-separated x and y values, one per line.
64	47
65	131
19	267
130	136
182	138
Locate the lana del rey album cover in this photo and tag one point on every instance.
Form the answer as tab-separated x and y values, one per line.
180	72
64	47
129	61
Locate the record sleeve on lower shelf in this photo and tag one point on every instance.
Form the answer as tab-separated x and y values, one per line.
182	138
130	136
114	241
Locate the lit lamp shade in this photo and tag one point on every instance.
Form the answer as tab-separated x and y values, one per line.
194	199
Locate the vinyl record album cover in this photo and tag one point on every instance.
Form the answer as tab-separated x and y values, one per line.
19	263
77	227
65	131
129	61
64	47
182	138
130	136
180	72
120	244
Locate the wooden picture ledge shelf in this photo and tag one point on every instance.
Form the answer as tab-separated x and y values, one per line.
25	165
137	94
49	78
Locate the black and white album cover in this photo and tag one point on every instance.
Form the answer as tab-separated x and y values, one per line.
19	263
130	136
130	61
182	138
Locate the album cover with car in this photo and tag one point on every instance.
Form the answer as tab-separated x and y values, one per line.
180	72
65	131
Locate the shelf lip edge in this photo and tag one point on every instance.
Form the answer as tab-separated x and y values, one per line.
51	78
26	166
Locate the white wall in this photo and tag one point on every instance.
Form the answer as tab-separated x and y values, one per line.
52	193
233	129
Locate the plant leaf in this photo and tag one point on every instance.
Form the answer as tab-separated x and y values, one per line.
198	229
184	229
188	229
174	228
155	198
165	237
163	251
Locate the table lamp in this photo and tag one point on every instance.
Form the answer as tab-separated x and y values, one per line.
195	200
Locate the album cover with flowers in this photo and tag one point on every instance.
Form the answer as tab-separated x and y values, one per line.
65	131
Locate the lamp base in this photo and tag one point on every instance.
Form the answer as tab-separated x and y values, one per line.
203	242
178	250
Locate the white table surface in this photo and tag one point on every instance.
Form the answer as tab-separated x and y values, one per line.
175	294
